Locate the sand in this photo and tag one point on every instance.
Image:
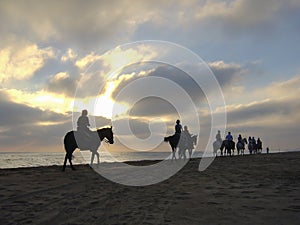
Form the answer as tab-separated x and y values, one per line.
260	189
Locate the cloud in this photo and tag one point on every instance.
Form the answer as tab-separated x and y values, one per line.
21	62
21	126
70	55
270	113
72	22
24	128
41	99
227	73
63	83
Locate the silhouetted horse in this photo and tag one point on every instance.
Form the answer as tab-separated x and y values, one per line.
259	147
173	141
252	148
71	144
240	146
187	143
228	145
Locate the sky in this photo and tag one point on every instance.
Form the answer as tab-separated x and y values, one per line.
59	57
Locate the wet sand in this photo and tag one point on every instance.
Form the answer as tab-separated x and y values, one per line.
260	189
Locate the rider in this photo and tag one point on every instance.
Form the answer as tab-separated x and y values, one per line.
83	124
259	143
178	127
218	136
186	135
253	141
229	136
240	138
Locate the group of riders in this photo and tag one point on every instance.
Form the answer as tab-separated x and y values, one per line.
184	140
254	146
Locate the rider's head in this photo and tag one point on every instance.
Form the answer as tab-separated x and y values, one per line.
178	121
229	132
84	112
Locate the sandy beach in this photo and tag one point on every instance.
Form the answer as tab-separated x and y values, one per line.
257	189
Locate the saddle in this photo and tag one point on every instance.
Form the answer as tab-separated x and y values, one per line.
86	140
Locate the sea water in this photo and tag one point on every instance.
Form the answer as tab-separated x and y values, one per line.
34	159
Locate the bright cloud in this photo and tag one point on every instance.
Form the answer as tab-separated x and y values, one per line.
42	100
69	55
22	62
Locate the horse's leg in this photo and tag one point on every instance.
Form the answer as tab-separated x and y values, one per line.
190	153
65	163
98	157
70	161
174	153
92	158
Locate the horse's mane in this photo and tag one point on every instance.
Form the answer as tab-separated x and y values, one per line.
103	128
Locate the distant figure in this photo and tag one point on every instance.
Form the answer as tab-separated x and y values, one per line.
267	150
229	137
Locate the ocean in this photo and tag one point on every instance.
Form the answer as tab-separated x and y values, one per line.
35	159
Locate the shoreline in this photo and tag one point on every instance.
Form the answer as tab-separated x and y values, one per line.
144	162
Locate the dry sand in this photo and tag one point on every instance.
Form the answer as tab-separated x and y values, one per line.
260	189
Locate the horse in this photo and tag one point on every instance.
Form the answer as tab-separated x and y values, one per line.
71	144
173	141
217	145
259	147
228	145
187	143
240	146
252	148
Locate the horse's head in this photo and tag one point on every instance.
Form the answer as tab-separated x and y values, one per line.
107	134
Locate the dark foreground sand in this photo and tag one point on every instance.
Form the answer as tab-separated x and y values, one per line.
261	189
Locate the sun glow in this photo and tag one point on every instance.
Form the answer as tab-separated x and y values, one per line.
105	106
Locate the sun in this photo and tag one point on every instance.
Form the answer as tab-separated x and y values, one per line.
105	106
